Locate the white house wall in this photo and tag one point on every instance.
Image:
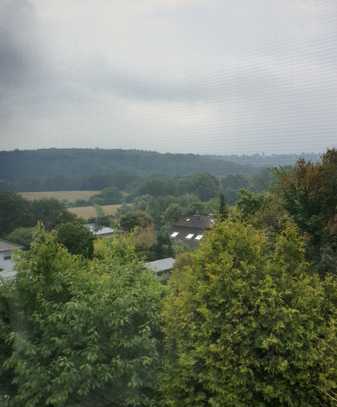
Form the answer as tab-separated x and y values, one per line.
6	264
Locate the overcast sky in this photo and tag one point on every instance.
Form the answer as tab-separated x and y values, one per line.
203	76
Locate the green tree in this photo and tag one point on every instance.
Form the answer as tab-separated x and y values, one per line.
231	186
247	325
223	210
204	186
309	194
167	209
87	333
134	218
271	215
157	186
99	216
144	238
264	180
76	238
7	387
14	212
249	202
173	212
51	212
109	195
22	236
163	245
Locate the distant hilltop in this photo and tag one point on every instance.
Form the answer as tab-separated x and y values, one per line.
24	170
269	160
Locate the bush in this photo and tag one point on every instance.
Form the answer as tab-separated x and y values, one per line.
108	196
22	236
87	332
247	325
76	238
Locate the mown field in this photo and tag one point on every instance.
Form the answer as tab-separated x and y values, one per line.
68	196
88	212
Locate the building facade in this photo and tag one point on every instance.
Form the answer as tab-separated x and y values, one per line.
7	264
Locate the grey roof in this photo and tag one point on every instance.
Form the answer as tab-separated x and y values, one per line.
101	231
201	222
159	266
8	247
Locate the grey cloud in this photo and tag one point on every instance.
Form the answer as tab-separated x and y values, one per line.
16	41
144	88
208	76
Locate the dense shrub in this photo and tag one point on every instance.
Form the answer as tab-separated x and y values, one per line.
247	325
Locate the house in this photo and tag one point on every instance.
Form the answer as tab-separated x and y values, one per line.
103	231
7	264
161	268
190	230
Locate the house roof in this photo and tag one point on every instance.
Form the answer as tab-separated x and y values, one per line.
188	236
8	246
104	231
101	231
195	222
190	230
159	266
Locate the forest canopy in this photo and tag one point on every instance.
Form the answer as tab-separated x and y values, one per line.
95	169
247	319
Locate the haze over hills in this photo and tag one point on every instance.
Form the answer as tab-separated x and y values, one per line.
84	162
70	168
168	203
270	160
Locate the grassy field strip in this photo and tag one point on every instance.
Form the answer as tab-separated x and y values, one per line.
88	212
69	196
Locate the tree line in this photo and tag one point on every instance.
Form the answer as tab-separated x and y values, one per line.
19	217
248	319
74	169
202	185
95	169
